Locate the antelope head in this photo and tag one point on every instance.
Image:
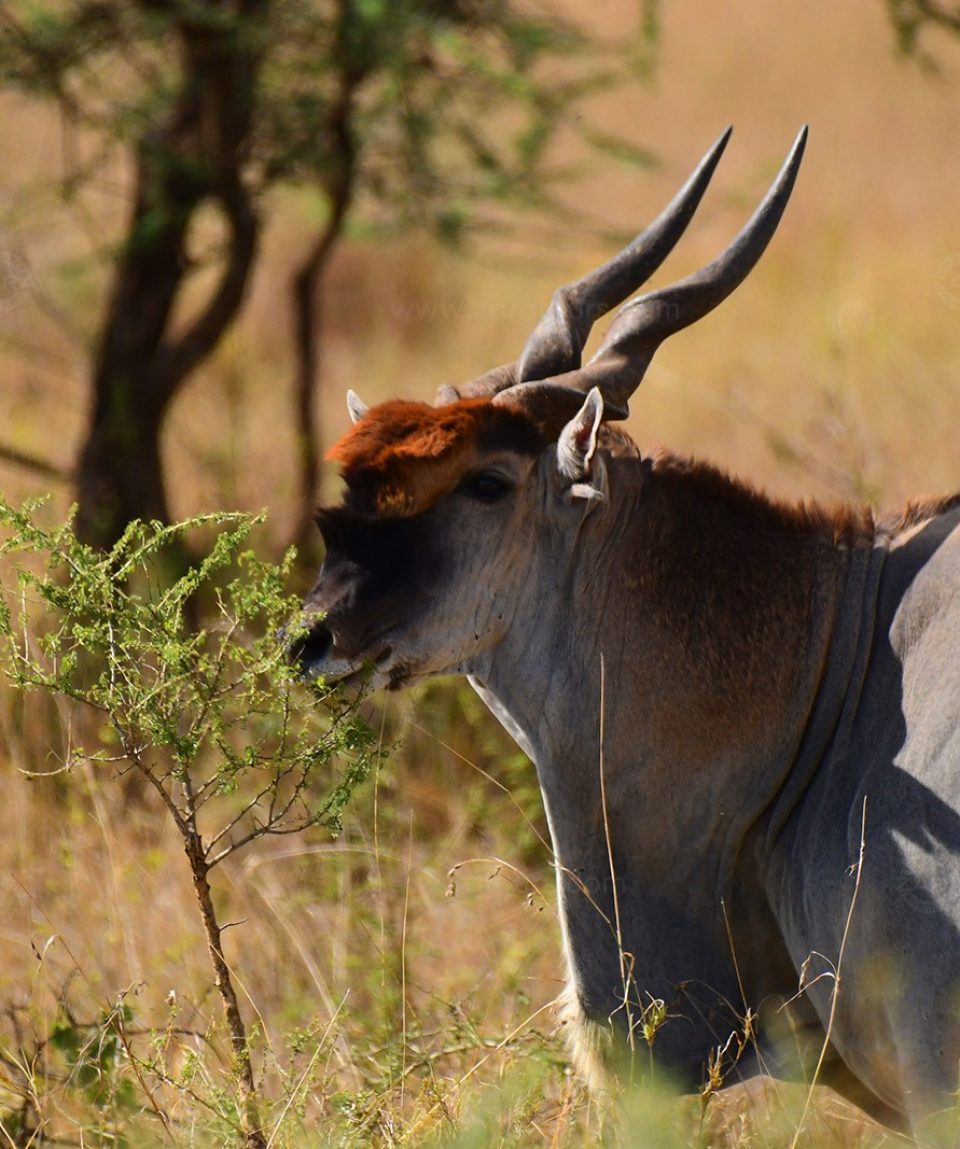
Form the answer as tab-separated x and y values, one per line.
461	517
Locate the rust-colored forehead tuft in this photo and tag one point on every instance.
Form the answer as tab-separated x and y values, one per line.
403	455
407	430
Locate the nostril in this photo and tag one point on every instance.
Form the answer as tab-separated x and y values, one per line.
311	647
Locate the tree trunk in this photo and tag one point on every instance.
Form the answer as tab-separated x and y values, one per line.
120	472
339	185
197	154
308	303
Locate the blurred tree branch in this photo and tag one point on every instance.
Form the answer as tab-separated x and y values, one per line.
32	463
339	184
910	17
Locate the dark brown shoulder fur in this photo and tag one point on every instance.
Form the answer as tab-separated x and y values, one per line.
731	498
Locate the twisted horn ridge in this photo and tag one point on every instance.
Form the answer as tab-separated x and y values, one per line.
549	370
558	339
644	323
555	345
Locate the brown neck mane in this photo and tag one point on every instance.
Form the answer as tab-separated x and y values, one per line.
739	594
705	492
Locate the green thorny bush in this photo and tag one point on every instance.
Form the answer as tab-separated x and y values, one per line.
211	717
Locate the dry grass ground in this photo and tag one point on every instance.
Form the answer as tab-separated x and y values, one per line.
387	1010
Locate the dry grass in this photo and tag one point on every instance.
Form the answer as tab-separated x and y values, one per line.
388	1011
392	1003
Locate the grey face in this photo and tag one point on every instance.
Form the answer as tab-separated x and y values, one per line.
402	598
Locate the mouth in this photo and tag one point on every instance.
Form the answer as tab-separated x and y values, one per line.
319	660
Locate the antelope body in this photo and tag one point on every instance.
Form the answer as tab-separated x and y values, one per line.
726	699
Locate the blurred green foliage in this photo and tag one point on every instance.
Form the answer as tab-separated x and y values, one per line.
910	18
451	103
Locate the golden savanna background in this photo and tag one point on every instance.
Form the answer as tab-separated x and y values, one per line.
412	1006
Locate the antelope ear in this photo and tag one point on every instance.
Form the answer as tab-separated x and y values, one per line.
578	439
356	406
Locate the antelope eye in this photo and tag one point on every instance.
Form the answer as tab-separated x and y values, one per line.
487	486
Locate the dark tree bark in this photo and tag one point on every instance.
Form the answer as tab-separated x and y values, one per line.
197	155
308	302
339	185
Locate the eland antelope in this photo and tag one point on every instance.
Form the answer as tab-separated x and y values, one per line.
726	698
